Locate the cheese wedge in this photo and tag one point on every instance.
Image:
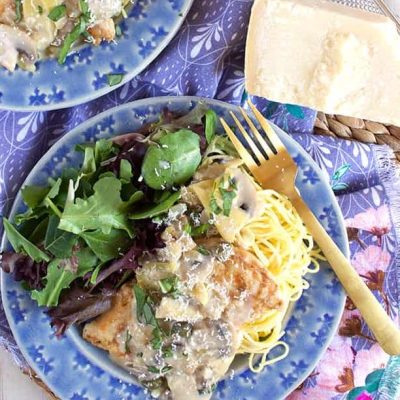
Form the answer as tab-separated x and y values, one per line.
326	56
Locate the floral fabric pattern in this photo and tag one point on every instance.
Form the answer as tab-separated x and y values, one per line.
206	59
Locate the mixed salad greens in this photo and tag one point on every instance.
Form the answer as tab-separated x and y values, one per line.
81	236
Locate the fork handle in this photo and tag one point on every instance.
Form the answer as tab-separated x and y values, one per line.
381	325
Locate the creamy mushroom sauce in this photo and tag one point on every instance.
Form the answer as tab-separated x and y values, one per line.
35	35
214	287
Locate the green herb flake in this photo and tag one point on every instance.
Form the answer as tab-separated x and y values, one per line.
200	230
128	338
18	11
202	250
167	352
118	31
159	371
140	296
40	10
57	12
157	341
170	286
114	79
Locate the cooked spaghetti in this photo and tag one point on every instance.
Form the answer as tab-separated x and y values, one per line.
282	243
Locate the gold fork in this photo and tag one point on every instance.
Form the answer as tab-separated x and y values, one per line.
274	168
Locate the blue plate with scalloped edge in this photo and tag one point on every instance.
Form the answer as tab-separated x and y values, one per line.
150	26
73	369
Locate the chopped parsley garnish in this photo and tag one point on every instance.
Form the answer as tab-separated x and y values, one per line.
40	10
18	10
227	191
167	352
128	338
114	79
145	314
203	250
196	231
208	390
78	31
200	230
57	12
170	286
118	31
228	194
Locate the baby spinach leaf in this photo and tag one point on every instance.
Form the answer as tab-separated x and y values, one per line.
210	125
103	210
107	246
58	242
156	209
173	161
21	244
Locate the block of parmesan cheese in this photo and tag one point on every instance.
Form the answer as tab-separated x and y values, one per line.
326	56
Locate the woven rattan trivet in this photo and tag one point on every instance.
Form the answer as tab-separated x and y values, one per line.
358	129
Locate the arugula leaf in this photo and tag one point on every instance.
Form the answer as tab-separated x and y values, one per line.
125	171
173	161
58	279
107	246
210	125
58	242
57	12
157	209
114	79
103	210
33	196
21	244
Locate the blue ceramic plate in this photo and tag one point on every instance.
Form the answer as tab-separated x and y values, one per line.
75	370
151	25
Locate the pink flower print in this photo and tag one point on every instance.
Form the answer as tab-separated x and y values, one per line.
364	396
371	259
377	221
335	368
315	393
367	361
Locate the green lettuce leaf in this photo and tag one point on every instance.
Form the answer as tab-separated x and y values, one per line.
103	210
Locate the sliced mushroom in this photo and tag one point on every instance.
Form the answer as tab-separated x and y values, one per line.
13	43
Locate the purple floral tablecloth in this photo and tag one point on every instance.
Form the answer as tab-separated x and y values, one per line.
206	59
